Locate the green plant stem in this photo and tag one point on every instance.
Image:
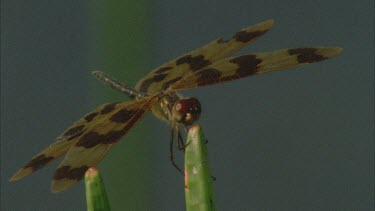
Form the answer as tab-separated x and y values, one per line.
198	180
96	197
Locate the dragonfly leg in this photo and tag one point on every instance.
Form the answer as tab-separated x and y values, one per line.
180	141
171	151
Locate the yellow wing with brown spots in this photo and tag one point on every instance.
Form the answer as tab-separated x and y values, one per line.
162	77
95	142
64	141
253	64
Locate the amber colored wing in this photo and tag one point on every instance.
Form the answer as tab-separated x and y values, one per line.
162	77
95	142
253	64
65	141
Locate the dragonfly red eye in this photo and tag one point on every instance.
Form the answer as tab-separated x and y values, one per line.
186	111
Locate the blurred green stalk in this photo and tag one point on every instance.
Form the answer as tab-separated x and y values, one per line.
198	181
96	197
120	39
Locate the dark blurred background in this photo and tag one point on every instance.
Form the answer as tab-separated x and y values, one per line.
300	139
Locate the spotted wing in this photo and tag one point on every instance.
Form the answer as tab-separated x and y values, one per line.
95	142
253	64
162	77
65	141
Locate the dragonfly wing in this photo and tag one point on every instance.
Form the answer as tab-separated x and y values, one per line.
64	141
45	157
94	143
162	77
253	64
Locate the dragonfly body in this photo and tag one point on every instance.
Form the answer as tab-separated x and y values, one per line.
166	108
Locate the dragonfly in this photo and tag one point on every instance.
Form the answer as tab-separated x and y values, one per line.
89	139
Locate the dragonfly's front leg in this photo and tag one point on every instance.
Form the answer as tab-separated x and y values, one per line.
180	141
171	149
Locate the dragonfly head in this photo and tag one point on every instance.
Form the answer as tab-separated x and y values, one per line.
186	111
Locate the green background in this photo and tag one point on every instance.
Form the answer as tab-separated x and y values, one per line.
300	139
